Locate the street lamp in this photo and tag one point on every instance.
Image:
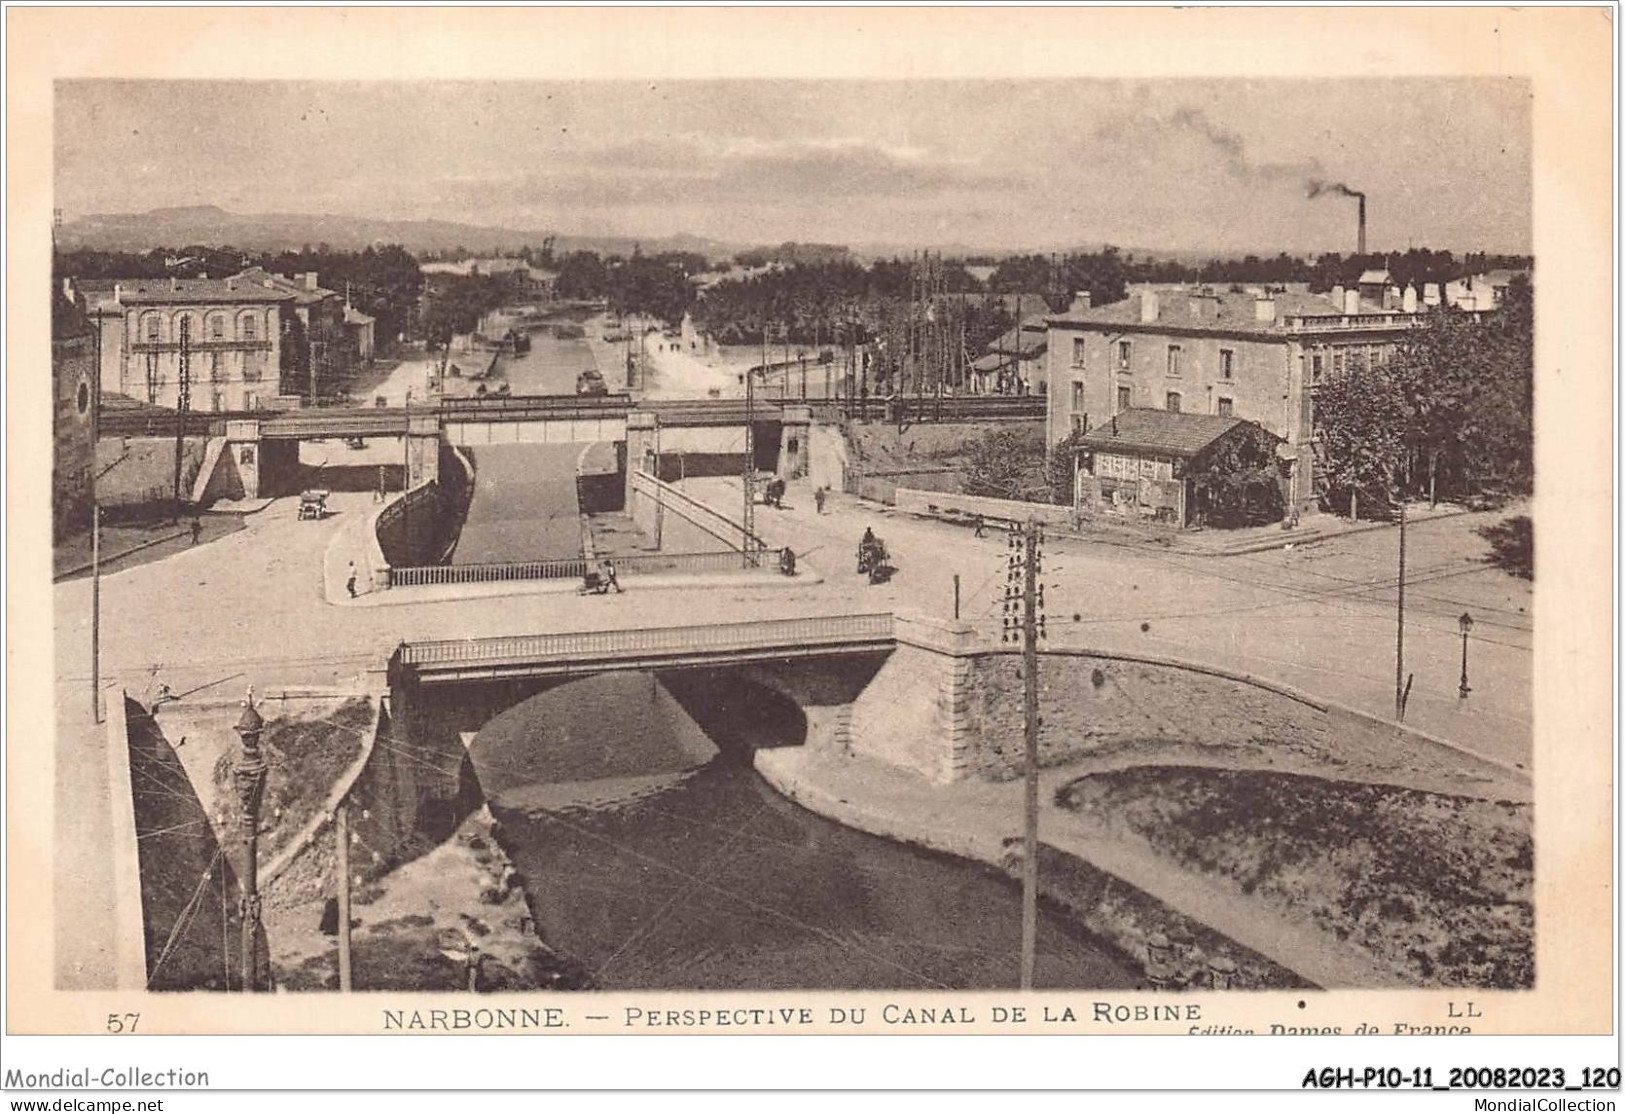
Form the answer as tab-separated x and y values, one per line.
1466	624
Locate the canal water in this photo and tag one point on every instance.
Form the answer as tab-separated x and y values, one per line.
553	362
656	858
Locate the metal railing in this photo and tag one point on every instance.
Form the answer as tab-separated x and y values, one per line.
718	637
641	564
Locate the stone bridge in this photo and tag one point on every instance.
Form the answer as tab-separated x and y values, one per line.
878	684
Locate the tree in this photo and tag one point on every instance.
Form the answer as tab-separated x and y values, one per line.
1359	420
1006	464
1058	470
1237	482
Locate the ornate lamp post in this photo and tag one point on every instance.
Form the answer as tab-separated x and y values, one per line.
1466	624
249	776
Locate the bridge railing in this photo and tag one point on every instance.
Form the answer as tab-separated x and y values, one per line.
758	634
641	564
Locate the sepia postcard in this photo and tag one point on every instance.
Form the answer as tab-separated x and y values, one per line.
787	522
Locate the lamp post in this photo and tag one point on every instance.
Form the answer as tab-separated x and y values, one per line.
249	778
1466	624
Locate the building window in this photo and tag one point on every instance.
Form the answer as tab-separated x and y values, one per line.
1124	351
1125	398
214	366
151	327
1173	359
1077	422
1337	361
1078	351
1173	402
1315	366
1227	407
1227	364
217	327
1077	394
251	401
250	327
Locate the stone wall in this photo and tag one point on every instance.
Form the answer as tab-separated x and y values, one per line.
1088	702
682	524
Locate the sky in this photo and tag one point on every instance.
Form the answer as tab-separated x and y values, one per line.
1001	165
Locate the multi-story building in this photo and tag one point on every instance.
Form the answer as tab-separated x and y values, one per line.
317	351
1254	354
226	332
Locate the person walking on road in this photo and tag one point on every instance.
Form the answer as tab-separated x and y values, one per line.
197	529
349	584
818	499
610	579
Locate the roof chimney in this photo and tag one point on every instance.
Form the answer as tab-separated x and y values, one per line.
1264	308
118	292
1337	296
310	280
1080	302
1407	300
1351	301
174	283
1362	223
1390	297
231	282
1148	307
1430	294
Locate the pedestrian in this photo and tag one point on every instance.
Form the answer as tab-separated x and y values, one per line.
818	498
197	529
350	583
609	576
981	523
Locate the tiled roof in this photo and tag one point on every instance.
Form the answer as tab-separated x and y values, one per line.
353	316
177	291
1224	312
1373	278
302	294
1034	338
1164	432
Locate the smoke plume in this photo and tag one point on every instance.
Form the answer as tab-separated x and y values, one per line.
1317	188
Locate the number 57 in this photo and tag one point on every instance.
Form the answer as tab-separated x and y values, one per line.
122	1022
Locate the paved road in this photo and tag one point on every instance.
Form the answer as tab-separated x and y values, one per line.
1319	617
524	506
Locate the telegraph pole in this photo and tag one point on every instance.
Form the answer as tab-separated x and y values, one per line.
249	777
749	519
96	534
1399	645
183	399
1023	619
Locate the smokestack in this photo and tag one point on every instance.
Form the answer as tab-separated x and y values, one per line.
1361	198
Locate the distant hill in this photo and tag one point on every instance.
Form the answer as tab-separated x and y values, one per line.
211	225
268	232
